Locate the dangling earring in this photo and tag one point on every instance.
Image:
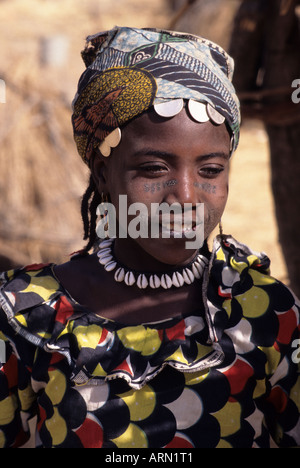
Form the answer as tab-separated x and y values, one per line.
221	228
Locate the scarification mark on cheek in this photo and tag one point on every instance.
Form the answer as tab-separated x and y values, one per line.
209	188
157	186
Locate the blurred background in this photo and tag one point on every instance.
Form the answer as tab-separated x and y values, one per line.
42	177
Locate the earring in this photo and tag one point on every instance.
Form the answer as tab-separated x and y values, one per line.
220	228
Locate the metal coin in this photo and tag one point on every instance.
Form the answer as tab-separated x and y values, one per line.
198	111
114	138
104	149
215	115
169	108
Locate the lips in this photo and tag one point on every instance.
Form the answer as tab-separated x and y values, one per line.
177	230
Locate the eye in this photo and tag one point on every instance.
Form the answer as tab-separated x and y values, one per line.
154	169
211	172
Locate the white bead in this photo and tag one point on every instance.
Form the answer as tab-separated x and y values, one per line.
142	281
198	268
166	282
202	260
105	243
154	281
129	278
195	271
106	259
177	279
120	275
104	251
110	266
188	276
104	255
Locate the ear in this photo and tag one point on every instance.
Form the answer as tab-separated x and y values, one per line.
98	168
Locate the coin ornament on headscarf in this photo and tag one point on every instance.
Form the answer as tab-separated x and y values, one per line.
199	111
130	70
169	108
111	141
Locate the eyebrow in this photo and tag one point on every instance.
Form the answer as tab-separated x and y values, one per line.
167	155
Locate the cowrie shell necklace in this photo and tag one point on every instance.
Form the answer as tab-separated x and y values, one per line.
176	278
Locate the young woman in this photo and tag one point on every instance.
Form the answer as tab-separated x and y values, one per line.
152	341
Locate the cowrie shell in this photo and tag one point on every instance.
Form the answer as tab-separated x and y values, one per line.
199	268
105	243
195	271
103	252
177	279
129	278
154	281
120	274
166	282
188	276
142	281
110	266
105	259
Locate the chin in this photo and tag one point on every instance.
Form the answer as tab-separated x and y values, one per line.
170	252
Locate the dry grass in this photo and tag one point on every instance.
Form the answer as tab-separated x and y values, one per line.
42	178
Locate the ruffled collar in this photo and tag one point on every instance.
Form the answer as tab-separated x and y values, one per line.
41	310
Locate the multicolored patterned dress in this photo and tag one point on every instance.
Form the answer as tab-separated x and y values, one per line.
227	376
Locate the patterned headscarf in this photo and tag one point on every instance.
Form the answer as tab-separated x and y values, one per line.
129	70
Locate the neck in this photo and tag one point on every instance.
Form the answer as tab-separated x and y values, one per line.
129	253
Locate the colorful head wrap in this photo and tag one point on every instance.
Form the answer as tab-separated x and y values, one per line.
129	70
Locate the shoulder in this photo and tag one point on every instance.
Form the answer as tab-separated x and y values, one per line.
27	286
33	303
249	306
241	280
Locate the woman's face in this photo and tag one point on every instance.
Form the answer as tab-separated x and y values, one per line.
176	160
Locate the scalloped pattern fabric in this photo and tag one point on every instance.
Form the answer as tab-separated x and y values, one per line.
225	377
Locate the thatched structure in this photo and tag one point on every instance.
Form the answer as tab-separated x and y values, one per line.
41	175
42	179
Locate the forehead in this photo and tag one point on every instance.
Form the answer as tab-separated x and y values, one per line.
181	132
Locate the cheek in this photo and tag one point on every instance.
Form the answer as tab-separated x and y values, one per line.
214	205
216	194
131	197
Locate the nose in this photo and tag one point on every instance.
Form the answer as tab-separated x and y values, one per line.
182	189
